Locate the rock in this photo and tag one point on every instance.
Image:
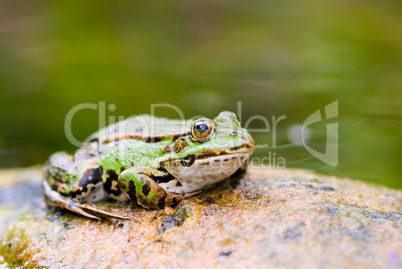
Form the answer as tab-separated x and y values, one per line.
269	218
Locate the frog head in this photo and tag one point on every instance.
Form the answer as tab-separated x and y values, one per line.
211	150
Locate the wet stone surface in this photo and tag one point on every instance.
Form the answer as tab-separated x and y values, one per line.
291	218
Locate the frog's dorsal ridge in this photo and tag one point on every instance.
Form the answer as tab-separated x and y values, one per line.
145	137
144	127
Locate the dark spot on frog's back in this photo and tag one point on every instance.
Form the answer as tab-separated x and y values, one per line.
93	175
146	188
111	176
131	191
178	184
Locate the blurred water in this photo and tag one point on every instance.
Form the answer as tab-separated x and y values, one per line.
275	57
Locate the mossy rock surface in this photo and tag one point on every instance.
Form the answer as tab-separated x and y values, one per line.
269	218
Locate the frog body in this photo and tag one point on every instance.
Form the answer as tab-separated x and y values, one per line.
153	162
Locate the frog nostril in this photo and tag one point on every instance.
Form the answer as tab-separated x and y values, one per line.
233	133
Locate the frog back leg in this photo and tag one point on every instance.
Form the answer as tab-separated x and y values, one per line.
78	177
69	181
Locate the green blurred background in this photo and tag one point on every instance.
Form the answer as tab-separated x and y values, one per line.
275	57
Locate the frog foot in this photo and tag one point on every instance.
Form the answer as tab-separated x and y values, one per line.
55	199
102	212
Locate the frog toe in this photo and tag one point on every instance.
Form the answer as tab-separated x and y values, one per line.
77	209
102	212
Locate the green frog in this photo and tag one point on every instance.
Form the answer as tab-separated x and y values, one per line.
151	161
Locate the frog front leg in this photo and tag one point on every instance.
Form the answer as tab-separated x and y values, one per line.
142	189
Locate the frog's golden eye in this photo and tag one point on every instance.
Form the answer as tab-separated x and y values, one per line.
202	130
237	118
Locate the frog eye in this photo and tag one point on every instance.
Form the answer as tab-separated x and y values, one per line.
237	118
202	130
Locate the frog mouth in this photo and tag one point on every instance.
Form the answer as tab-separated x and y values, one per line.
236	153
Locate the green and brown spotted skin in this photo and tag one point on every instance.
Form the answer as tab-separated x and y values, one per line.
153	162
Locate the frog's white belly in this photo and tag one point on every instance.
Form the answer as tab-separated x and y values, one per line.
203	173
